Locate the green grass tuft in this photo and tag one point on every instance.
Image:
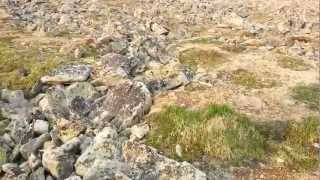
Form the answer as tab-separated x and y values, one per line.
222	136
216	132
297	149
308	94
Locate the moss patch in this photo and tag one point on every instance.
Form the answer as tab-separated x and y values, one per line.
216	132
248	79
308	94
295	64
21	67
207	59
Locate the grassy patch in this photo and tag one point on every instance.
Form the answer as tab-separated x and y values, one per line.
222	136
207	59
308	94
293	63
216	132
297	149
249	79
21	67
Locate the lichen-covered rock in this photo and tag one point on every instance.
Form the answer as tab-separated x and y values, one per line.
117	63
68	130
68	74
60	161
128	102
142	156
73	102
106	169
105	146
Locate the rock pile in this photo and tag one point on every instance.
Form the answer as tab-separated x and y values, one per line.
74	131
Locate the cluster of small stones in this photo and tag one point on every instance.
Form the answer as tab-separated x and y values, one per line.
86	122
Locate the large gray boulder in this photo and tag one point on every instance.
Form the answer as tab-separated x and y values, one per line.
73	102
128	102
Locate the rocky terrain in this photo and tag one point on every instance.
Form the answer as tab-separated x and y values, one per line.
167	89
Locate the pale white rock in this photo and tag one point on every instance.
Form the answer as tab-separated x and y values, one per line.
41	127
139	131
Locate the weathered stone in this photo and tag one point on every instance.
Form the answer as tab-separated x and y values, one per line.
11	168
41	127
19	130
80	89
38	174
54	105
58	162
158	29
16	107
68	74
24	167
165	168
33	145
105	169
33	161
74	178
74	102
117	63
15	153
104	147
67	130
129	102
139	131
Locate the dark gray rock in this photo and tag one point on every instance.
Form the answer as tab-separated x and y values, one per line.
38	174
33	145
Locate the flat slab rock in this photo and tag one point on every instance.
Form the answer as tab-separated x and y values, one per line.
68	74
